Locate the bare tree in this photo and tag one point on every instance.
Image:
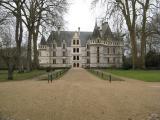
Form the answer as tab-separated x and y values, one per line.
133	12
8	52
15	8
40	13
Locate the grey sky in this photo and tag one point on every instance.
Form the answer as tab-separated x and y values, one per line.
81	15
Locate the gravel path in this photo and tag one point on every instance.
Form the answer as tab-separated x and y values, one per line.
79	95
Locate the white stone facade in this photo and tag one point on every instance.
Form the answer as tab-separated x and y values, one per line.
94	52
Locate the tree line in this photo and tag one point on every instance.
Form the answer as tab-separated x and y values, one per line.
33	16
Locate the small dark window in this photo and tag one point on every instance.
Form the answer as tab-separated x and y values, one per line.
108	50
77	57
114	51
74	57
64	46
74	50
77	42
88	61
114	60
77	50
64	61
64	54
88	53
108	60
74	42
87	46
54	61
54	54
54	45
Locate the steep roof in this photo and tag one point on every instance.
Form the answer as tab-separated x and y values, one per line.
96	32
67	36
43	41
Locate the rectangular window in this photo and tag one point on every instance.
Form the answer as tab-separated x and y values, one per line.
97	59
114	51
74	50
54	45
77	50
77	57
77	42
64	54
88	61
88	53
107	60
114	60
54	54
74	42
54	61
64	61
74	57
108	50
64	46
87	46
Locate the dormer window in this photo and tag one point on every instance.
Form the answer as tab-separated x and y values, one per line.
64	46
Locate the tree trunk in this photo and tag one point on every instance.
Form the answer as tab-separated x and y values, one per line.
143	53
133	49
29	52
10	71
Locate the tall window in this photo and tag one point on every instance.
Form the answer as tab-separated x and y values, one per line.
87	46
114	51
107	60
88	61
77	50
54	54
108	50
97	54
88	54
64	53
64	46
77	57
74	50
77	42
74	42
64	61
114	60
54	45
74	57
54	61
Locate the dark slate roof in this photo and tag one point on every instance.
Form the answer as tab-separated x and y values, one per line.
108	34
96	32
43	41
67	36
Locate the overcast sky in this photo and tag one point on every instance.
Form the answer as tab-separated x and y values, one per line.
81	15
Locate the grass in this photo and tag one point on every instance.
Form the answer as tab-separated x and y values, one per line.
145	75
21	76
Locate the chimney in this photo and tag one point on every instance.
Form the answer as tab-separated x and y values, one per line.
79	31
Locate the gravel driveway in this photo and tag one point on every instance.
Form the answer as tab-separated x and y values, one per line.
79	95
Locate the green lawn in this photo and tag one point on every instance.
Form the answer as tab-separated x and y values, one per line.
145	75
21	76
